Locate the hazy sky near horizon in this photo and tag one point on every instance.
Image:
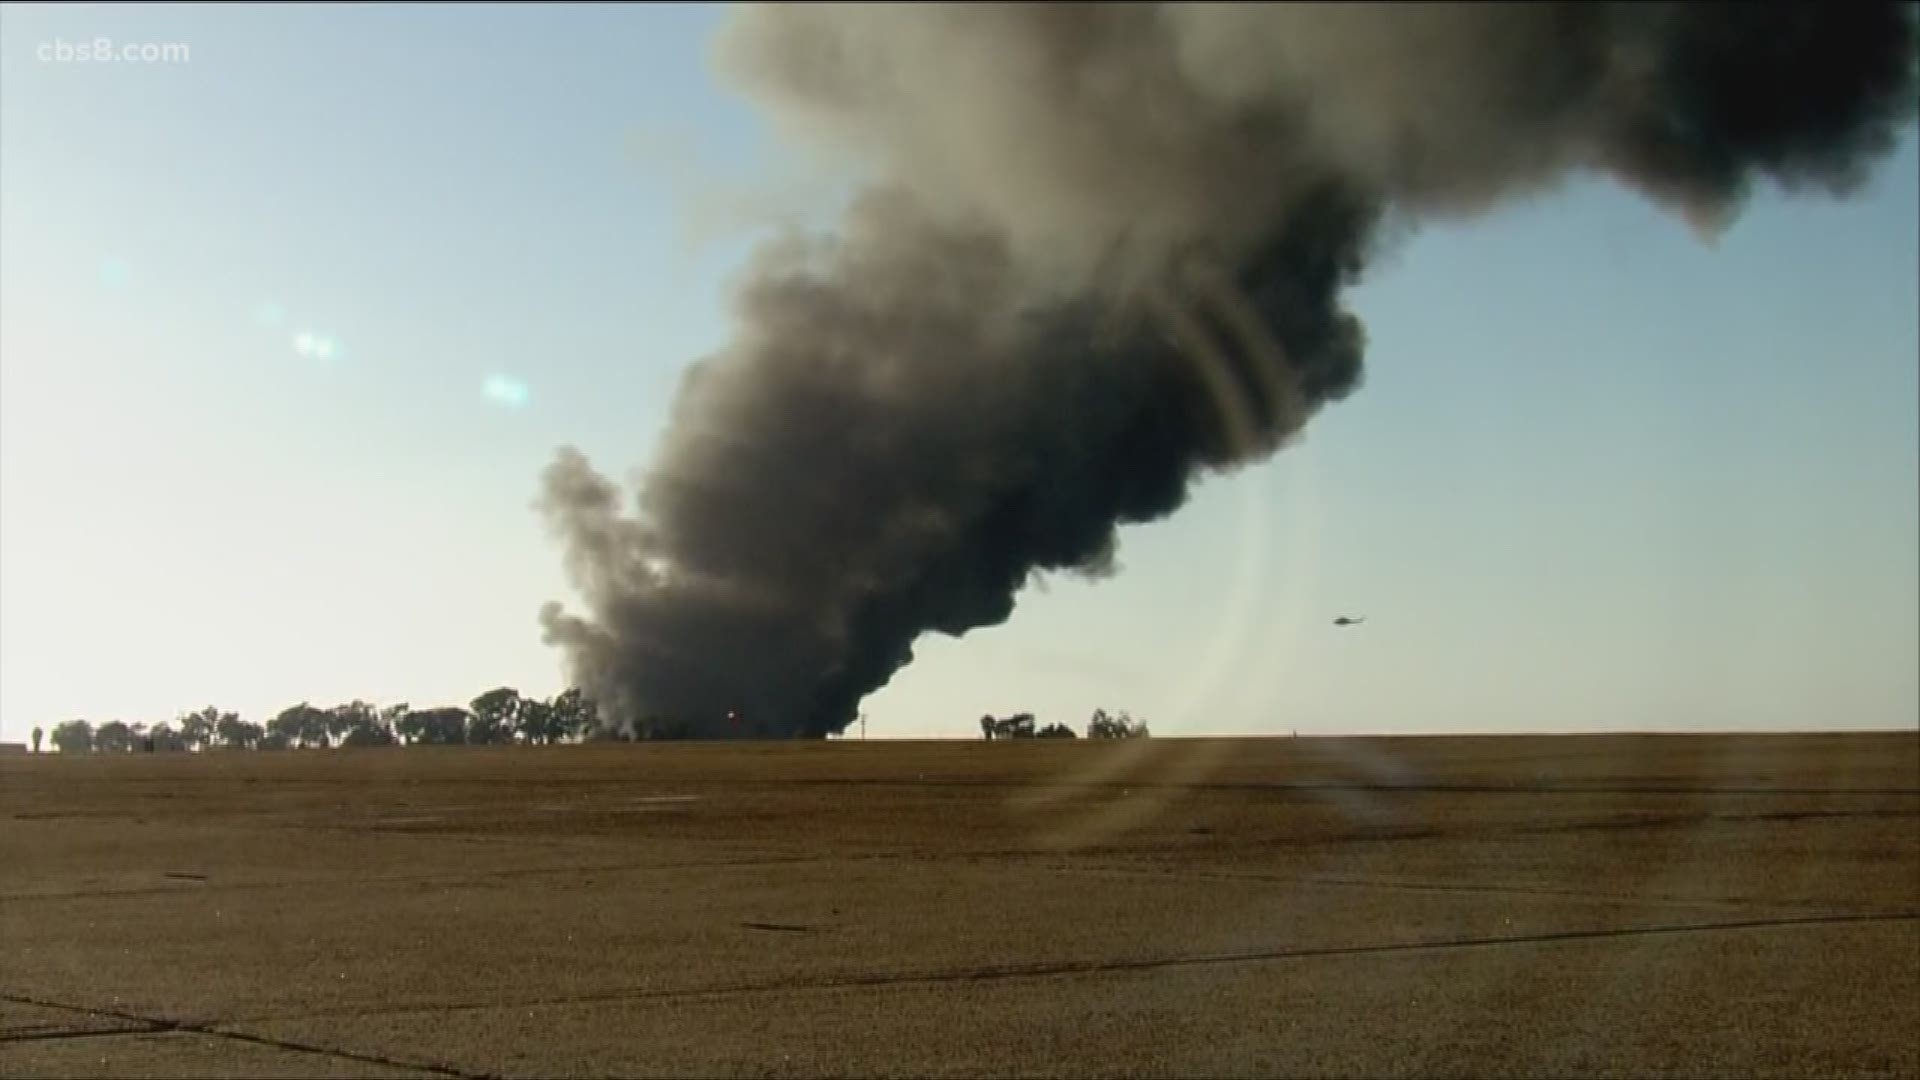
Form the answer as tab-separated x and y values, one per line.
288	331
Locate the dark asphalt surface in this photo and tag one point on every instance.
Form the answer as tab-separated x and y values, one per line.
1630	905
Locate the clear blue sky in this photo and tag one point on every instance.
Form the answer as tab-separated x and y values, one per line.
1602	475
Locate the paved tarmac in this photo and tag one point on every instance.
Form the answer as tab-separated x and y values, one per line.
1622	905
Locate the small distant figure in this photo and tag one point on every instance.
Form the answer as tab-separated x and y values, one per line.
1348	620
37	735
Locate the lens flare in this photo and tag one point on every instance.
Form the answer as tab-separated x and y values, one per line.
312	346
505	390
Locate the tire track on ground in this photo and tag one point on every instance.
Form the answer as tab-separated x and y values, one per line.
1369	787
1070	968
1824	906
153	1025
446	877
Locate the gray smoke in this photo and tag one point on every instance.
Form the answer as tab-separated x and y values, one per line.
1099	254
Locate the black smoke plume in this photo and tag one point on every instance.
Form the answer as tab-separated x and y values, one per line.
1099	255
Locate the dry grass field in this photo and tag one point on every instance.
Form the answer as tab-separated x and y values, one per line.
1622	905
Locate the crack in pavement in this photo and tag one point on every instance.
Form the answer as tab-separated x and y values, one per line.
451	877
1385	787
79	1033
153	1025
1739	903
1068	968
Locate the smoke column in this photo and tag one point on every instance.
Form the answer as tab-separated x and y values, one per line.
1098	255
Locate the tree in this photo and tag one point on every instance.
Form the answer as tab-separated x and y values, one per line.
113	737
73	737
410	727
988	727
199	729
449	726
284	729
315	726
575	714
370	734
1123	726
394	718
434	727
272	740
342	719
37	735
1055	731
538	722
164	739
237	734
300	725
496	713
357	723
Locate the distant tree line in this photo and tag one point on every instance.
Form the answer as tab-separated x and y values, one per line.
497	717
1101	726
1122	726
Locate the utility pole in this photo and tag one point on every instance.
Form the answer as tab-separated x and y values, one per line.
863	727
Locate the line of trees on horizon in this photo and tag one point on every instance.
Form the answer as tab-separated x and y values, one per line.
498	717
1101	726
